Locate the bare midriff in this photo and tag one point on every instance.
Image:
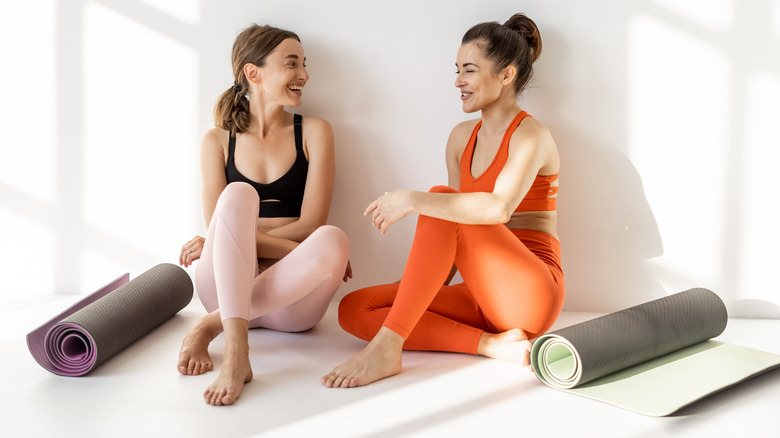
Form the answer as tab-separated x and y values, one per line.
544	221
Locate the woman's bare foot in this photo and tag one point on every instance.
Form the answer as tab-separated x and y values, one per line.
512	345
236	370
194	356
381	358
227	388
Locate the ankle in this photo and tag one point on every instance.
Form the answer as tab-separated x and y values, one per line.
388	341
208	327
485	339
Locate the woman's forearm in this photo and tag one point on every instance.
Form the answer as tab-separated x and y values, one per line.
272	247
477	208
296	231
464	208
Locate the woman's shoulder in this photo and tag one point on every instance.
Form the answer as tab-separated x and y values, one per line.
461	133
216	136
534	137
317	131
316	124
317	137
532	130
215	139
465	128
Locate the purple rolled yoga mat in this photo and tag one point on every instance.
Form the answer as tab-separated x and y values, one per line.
85	335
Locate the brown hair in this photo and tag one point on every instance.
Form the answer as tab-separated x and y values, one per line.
252	46
516	42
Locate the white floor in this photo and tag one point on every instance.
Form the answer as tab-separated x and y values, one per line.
139	393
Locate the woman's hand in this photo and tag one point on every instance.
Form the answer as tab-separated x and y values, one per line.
389	209
191	251
348	272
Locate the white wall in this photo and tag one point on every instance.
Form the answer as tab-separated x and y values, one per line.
664	112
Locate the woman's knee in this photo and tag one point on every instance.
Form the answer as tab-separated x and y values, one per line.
350	307
238	198
442	189
333	240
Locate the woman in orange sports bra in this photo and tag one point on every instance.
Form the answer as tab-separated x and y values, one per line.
495	221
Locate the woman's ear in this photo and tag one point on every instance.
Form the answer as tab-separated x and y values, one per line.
252	73
508	75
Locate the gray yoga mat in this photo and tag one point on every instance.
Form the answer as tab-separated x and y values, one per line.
654	358
104	323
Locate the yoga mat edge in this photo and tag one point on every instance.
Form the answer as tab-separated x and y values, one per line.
630	357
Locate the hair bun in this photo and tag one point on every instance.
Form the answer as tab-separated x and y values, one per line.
527	29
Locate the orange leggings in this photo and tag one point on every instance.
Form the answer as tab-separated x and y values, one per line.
512	279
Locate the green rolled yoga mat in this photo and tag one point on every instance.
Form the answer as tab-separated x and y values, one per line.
104	323
654	358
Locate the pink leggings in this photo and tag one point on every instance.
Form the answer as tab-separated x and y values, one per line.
292	295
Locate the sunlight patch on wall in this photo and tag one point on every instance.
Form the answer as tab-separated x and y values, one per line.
776	17
28	266
140	148
28	84
678	132
716	14
758	259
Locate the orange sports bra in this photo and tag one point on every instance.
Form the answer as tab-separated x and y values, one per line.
541	195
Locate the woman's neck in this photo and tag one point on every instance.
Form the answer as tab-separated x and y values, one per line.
497	115
266	116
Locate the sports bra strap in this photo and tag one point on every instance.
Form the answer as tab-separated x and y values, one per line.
298	127
231	146
298	122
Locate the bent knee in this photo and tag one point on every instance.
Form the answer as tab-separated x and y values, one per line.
334	239
350	306
238	198
442	189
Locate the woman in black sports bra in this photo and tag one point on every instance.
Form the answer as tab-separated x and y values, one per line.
269	259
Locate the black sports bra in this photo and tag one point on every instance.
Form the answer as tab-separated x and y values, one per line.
283	197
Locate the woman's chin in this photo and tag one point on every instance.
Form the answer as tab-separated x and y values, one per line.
468	109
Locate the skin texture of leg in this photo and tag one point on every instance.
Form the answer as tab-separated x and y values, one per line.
379	359
194	356
236	370
512	346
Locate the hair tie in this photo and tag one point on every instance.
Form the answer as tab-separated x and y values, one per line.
236	87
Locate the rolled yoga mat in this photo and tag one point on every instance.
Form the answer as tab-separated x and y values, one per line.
82	337
654	358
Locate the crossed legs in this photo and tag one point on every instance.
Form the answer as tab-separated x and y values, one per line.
511	295
292	295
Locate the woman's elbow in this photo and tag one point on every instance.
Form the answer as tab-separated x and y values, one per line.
310	226
503	216
500	213
502	209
